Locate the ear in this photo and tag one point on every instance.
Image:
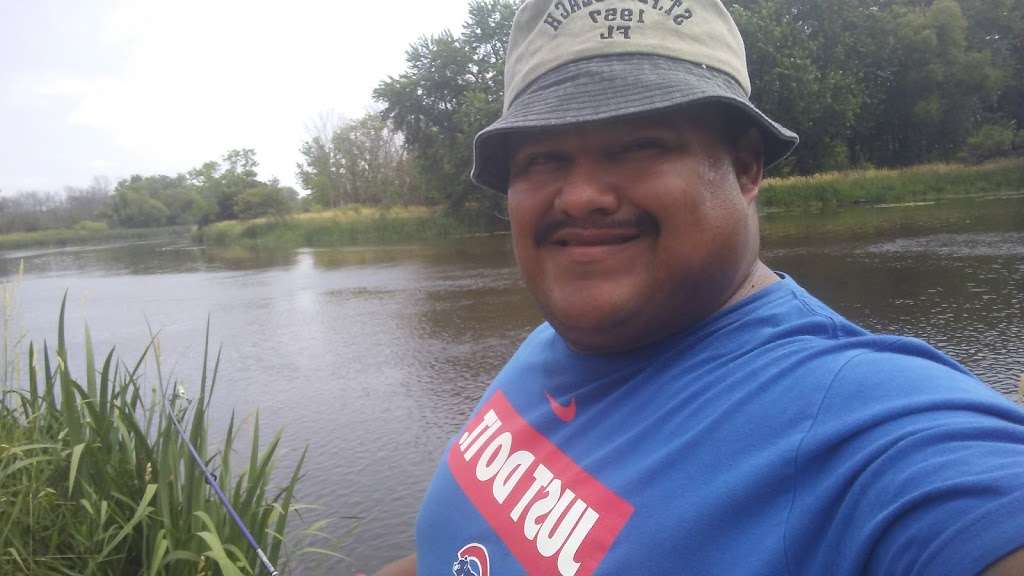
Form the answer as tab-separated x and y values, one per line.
748	163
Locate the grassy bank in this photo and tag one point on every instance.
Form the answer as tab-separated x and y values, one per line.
354	225
875	186
342	227
96	234
94	478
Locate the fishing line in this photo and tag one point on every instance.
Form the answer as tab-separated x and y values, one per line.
212	481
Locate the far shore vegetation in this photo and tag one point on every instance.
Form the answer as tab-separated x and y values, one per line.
351	225
89	233
889	186
894	102
364	224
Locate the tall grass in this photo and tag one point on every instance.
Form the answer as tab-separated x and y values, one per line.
874	186
352	225
84	234
10	337
95	480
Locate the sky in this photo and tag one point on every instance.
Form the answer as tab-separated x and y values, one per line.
112	88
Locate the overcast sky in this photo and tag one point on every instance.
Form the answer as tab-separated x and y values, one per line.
112	88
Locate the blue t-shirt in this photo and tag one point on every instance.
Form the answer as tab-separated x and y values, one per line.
774	438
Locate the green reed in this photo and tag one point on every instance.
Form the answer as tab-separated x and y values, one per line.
352	225
87	233
873	186
95	480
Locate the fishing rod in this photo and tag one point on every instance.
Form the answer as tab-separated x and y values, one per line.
212	481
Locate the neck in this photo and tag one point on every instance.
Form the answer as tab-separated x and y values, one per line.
760	277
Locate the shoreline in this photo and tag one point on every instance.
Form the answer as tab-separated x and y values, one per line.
354	225
885	186
66	237
361	225
867	188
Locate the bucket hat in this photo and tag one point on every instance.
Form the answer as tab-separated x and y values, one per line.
579	61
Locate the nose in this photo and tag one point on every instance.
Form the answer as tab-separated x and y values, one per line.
587	190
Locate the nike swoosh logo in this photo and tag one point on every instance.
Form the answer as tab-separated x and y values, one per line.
564	413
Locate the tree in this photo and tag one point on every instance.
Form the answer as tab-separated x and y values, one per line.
81	204
174	193
29	211
219	185
131	209
997	27
451	89
207	185
814	67
238	174
266	200
887	82
940	86
36	210
318	172
359	162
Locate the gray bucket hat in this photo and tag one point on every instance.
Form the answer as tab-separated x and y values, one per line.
577	61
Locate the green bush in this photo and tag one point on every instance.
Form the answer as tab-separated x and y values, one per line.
989	141
91	226
263	201
131	209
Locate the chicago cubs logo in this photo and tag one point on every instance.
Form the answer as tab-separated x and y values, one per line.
473	561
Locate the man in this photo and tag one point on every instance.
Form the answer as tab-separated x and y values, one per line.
685	410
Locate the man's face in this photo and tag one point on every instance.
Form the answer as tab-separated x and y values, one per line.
630	230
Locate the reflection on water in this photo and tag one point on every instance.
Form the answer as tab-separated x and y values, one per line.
374	356
140	258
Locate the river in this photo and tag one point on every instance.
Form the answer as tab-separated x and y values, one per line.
374	356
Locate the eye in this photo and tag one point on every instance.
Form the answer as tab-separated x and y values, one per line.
539	160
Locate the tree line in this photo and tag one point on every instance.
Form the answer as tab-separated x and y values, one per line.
888	83
883	83
227	189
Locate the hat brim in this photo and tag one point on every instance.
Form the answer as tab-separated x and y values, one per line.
614	86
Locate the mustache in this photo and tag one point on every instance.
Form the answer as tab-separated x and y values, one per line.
643	223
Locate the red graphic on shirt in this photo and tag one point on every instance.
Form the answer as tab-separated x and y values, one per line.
552	515
565	413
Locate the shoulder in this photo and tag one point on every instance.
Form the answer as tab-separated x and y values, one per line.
814	346
890	369
884	388
908	459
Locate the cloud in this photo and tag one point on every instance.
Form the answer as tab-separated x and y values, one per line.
183	82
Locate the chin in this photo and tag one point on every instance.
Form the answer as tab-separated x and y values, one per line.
595	330
610	322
